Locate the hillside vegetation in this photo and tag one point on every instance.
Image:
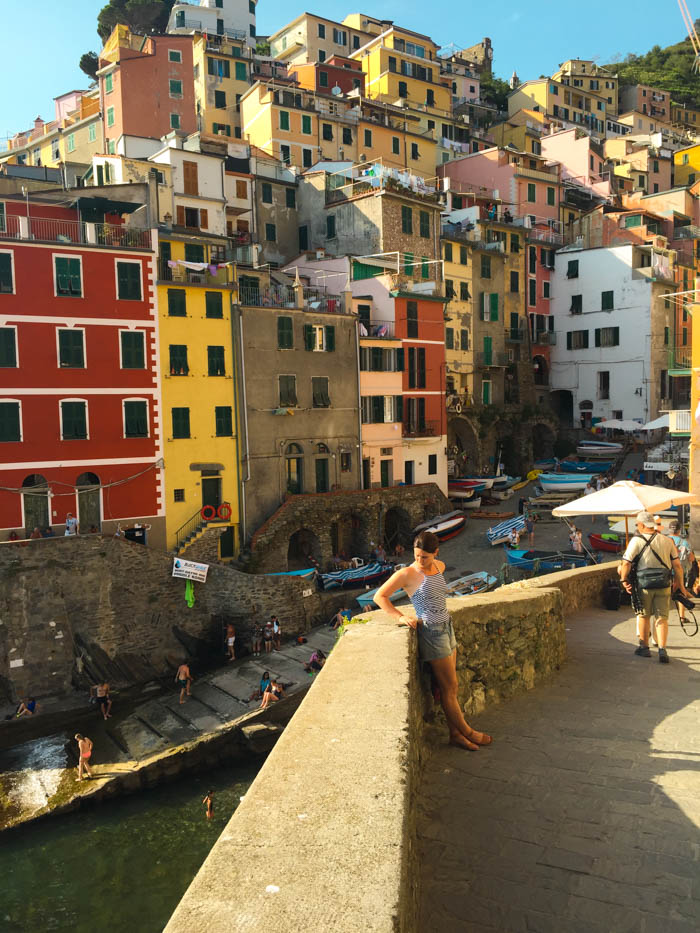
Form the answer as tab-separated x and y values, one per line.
670	69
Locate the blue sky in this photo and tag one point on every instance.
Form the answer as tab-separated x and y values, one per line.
532	38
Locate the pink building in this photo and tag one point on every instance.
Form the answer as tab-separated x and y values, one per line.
646	99
582	160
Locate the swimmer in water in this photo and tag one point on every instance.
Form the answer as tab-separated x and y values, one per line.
209	803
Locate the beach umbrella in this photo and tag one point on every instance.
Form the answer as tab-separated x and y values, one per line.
625	498
661	422
618	425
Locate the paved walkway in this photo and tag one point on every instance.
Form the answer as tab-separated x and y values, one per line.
584	816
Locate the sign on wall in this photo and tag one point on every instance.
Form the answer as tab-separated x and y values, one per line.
190	570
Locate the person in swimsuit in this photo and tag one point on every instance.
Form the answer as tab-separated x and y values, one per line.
103	699
231	641
274	692
425	585
209	803
84	753
276	633
183	679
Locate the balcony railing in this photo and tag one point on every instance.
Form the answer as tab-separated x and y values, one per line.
515	334
267	296
545	338
52	230
679	422
195	24
182	275
495	358
421	429
680	358
377	330
243	254
316	299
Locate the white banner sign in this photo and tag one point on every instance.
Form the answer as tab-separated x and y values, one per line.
653	465
189	570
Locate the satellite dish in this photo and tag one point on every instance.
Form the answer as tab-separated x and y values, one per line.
336	91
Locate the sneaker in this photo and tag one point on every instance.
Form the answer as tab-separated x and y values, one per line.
643	650
663	656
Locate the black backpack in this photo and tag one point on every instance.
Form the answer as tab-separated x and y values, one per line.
612	595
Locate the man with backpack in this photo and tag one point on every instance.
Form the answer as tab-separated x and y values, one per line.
649	566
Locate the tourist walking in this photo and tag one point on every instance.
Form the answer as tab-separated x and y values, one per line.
513	538
84	753
530	528
425	585
576	538
183	678
649	565
587	491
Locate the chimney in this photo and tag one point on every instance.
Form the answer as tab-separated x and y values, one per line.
38	124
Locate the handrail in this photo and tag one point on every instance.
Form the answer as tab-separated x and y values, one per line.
192	524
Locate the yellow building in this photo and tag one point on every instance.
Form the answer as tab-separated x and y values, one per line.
221	78
395	136
459	349
686	166
686	116
587	76
694	465
75	136
562	102
523	131
199	403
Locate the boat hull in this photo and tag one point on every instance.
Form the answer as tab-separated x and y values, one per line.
545	560
600	543
564	482
498	534
472	503
585	466
358	576
599	451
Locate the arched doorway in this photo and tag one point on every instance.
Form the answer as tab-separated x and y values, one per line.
463	446
294	461
35	502
89	505
304	550
397	529
349	535
543	438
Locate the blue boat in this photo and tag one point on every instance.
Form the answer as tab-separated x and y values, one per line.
564	482
467	585
374	572
584	466
309	572
546	560
545	465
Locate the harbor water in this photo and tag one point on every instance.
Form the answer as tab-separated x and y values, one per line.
120	866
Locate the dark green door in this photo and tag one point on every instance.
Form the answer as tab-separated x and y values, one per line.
226	543
322	475
36	511
514	326
384	466
211	491
488	351
165	272
366	474
408	472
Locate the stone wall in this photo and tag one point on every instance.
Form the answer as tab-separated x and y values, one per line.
319	512
338	791
73	610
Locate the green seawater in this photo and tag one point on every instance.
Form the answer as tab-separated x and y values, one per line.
116	867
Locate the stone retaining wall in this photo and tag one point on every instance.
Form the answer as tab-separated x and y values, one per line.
76	610
325	838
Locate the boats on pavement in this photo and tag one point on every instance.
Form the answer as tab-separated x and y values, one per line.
466	585
473	503
598	450
606	542
585	466
545	560
373	572
444	526
564	482
498	534
309	572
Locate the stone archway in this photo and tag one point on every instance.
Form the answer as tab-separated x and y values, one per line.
304	550
397	529
463	446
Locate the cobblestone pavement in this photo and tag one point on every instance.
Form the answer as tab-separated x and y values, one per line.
584	815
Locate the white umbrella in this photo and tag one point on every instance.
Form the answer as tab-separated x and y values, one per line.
661	422
617	425
625	498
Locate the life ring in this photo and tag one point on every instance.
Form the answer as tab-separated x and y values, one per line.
457	408
224	512
208	512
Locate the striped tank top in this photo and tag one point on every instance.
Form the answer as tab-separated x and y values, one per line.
429	600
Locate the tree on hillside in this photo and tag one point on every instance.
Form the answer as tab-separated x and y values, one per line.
139	15
89	63
495	91
670	69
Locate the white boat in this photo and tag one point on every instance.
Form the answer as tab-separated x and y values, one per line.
454	492
505	482
488	481
502	494
564	482
598	450
472	503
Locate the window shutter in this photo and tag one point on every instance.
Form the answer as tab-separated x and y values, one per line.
9	421
411	367
616	336
377	409
330	337
421	367
308	337
400	360
180	216
398	407
204	219
482	305
568	339
493	302
597	336
376	359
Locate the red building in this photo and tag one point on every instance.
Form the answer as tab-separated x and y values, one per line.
79	397
541	250
337	72
420	323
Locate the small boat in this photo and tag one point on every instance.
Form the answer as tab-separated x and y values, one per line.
472	503
521	485
498	534
492	516
373	572
505	482
598	450
309	572
486	480
564	482
584	466
474	484
546	560
366	600
606	542
471	583
444	526
544	465
459	493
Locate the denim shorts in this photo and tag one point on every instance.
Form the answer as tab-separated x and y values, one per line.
436	641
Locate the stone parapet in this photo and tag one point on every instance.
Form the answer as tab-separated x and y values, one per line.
325	838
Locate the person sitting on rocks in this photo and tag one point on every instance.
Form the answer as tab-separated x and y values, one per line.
274	692
27	707
315	662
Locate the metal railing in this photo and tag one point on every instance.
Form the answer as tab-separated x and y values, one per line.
495	358
377	329
53	230
190	527
188	24
316	299
243	254
267	296
421	429
681	357
516	334
545	338
679	422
